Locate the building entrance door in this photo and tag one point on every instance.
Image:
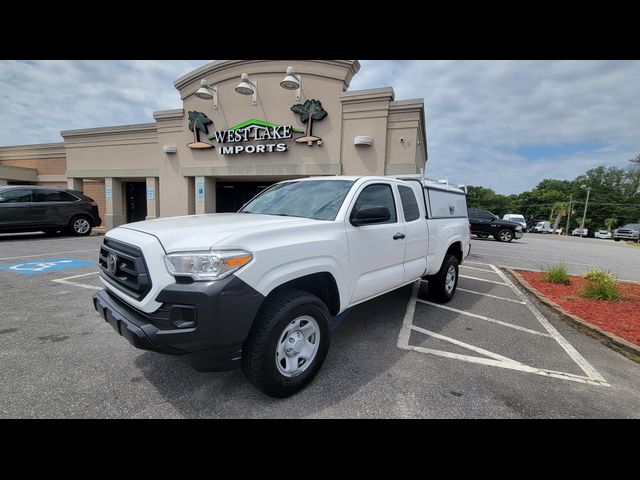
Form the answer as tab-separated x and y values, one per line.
231	196
136	201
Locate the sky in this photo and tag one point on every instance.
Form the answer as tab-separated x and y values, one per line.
504	125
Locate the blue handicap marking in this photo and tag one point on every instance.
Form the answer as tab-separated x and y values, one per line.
37	267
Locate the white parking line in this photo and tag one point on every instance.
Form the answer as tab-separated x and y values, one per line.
49	254
482	279
492	296
592	376
66	281
479	350
477	263
482	317
572	352
476	268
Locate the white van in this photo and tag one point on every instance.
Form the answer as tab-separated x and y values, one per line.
542	227
515	217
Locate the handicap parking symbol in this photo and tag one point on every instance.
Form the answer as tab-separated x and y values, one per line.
45	266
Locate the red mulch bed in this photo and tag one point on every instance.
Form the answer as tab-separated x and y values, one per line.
622	317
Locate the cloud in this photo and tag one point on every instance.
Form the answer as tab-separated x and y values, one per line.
481	113
41	98
490	123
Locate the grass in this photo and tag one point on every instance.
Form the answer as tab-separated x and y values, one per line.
601	286
558	274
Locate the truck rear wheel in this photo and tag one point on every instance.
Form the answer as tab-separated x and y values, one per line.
442	285
288	343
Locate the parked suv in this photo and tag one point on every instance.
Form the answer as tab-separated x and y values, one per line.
484	223
30	208
631	231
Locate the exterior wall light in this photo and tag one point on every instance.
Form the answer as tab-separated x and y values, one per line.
291	81
208	93
245	87
169	149
363	140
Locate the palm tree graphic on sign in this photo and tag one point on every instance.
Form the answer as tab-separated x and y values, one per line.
198	122
309	111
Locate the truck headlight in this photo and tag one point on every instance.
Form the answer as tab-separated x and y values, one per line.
518	228
202	266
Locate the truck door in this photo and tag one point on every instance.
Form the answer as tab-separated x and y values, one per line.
376	251
416	241
485	219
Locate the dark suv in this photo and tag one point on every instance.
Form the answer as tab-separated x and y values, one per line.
484	223
30	208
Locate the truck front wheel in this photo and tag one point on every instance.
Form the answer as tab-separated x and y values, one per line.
288	343
442	285
504	235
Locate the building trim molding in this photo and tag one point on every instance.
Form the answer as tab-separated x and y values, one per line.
133	128
52	178
262	169
217	67
21	174
114	173
400	168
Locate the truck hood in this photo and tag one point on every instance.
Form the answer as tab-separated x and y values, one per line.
201	232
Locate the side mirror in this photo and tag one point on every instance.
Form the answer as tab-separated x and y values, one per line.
370	214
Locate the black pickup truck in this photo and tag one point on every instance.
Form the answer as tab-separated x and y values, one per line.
484	223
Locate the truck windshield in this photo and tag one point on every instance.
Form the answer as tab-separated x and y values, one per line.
316	199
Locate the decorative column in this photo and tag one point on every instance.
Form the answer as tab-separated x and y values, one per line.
153	201
75	184
205	192
114	215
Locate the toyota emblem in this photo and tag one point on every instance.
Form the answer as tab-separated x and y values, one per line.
112	263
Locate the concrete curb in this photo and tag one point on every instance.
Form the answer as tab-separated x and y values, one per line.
621	345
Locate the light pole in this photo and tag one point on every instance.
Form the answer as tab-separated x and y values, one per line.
584	215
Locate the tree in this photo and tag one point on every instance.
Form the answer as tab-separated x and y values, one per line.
198	122
309	111
610	223
561	208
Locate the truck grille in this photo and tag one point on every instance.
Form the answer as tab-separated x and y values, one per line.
123	266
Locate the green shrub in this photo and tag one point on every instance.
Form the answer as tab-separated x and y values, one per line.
601	285
599	275
557	274
602	291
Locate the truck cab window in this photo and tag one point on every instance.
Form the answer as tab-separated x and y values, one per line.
409	203
379	195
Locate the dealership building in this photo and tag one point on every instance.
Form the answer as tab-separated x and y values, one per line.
243	125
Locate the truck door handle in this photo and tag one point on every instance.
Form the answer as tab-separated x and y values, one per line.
398	236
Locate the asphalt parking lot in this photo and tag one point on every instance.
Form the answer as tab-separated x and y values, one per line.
493	352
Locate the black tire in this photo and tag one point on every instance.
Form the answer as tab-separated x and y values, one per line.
259	350
616	239
438	289
504	235
80	225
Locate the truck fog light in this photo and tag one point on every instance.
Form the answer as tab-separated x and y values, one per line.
183	316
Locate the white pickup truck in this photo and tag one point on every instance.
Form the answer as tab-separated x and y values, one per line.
256	289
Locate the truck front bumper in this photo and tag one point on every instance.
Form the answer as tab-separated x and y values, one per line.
205	323
519	234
